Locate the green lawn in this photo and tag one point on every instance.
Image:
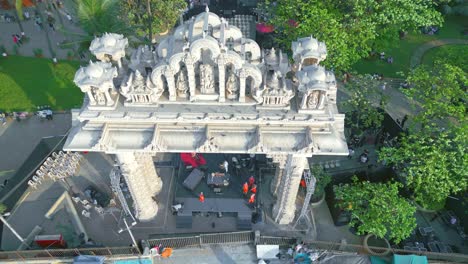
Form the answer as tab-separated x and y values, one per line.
401	53
28	82
454	54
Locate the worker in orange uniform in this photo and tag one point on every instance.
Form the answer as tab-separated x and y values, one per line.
201	197
303	183
251	180
245	188
254	188
252	198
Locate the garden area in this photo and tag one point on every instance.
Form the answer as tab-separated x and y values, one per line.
403	50
30	82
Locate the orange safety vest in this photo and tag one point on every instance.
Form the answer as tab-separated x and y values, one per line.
303	183
254	189
245	188
252	199
201	197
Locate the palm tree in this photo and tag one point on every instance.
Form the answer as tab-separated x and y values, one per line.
100	16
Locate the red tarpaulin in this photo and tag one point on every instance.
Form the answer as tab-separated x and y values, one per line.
264	28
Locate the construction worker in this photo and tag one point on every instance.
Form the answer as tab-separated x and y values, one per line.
252	198
251	180
245	188
201	197
303	183
254	188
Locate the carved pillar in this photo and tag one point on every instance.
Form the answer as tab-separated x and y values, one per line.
169	74
285	207
222	80
92	101
143	182
191	76
109	100
242	78
280	161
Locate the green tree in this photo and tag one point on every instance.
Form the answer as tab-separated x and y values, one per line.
433	157
434	165
100	16
151	17
351	29
440	92
377	208
322	180
363	107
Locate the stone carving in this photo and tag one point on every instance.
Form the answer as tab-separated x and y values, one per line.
207	79
97	81
232	86
182	86
275	92
109	47
315	99
137	89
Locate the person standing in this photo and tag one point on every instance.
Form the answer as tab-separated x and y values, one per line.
251	180
201	197
245	188
252	198
15	40
405	118
253	189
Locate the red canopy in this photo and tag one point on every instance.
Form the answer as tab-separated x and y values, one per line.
264	28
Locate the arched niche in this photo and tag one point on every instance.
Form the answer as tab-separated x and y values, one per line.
248	46
249	70
232	58
212	19
163	76
205	43
232	32
314	99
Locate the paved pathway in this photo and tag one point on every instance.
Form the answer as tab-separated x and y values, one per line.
18	139
418	54
45	39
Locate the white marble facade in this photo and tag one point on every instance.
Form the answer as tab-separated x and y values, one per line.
206	88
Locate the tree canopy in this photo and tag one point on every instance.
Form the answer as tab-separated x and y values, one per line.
433	156
377	208
150	17
434	165
362	106
100	16
351	29
440	91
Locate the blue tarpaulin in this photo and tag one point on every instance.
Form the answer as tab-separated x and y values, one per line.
85	259
409	259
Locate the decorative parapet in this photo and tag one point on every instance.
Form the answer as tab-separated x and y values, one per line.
96	80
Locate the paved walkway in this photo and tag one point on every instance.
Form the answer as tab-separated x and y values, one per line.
418	54
45	39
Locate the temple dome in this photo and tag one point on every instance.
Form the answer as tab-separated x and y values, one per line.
94	71
109	41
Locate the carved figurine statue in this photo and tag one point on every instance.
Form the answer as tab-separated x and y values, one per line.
206	79
156	91
139	83
232	85
315	100
99	96
182	85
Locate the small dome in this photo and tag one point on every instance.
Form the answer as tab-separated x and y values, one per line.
310	44
94	71
318	75
108	41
